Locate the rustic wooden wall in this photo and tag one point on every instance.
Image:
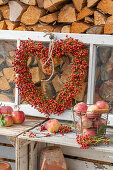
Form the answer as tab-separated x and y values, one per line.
69	16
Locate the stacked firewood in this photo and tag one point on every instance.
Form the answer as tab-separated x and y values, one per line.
69	16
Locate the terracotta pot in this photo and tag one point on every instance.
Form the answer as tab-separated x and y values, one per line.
5	166
52	159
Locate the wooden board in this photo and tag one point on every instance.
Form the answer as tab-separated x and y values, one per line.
7	152
101	152
80	165
15	130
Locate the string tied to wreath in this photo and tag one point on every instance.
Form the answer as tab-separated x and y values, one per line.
51	46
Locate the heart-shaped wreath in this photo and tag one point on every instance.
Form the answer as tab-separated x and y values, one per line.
72	48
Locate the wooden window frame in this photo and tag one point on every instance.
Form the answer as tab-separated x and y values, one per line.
92	40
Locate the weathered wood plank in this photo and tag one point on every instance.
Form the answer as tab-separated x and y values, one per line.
92	153
80	165
21	156
33	147
70	146
15	130
3	139
92	39
7	152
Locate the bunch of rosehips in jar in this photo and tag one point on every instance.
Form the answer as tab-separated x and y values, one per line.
91	122
8	116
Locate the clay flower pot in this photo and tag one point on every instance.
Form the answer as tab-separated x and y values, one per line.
5	166
52	159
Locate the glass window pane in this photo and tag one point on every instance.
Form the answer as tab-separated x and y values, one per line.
104	74
7	86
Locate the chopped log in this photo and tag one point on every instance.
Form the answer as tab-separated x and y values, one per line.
66	29
11	25
20	28
111	58
92	3
106	6
48	89
54	4
57	61
1	17
40	3
99	18
67	14
31	16
48	70
80	96
28	28
57	83
42	12
35	62
9	47
98	69
41	28
1	74
84	13
36	74
3	25
29	2
79	27
97	29
1	60
106	90
79	4
106	71
29	61
5	11
57	28
49	18
89	20
16	10
2	2
9	62
65	74
11	53
97	98
108	28
9	74
4	85
3	97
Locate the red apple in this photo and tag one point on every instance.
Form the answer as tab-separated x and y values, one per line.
6	110
53	125
6	120
102	106
86	123
93	112
92	115
89	132
80	108
18	116
98	123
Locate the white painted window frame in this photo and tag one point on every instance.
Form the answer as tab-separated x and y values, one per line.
92	40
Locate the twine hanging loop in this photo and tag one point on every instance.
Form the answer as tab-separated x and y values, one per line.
51	46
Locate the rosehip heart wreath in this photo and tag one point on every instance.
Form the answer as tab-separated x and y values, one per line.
69	47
